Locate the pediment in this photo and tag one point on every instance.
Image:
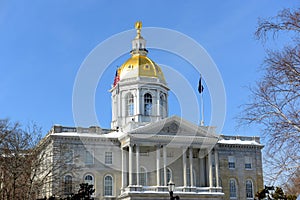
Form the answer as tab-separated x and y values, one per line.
171	128
175	126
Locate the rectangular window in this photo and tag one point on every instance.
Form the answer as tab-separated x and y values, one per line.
89	157
108	158
248	163
69	157
231	162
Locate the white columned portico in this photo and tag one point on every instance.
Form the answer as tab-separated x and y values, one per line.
124	169
184	166
217	168
157	165
165	164
137	154
130	165
210	170
191	166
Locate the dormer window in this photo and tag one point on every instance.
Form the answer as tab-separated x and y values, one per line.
146	67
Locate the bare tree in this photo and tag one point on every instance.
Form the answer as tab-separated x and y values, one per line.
292	187
16	145
29	164
275	100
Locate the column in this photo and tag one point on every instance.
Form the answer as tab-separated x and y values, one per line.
202	170
191	166
184	166
138	104
119	110
165	165
137	154
130	165
157	165
124	169
217	168
158	104
210	170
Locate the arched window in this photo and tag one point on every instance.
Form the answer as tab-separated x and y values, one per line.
162	177
68	184
143	176
249	189
147	104
89	179
162	103
108	185
189	177
232	189
130	105
169	175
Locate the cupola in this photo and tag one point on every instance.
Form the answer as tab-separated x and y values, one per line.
139	92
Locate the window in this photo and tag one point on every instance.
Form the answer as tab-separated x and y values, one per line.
162	103
188	177
89	158
162	177
249	189
108	158
143	176
108	185
169	175
68	184
248	163
147	104
89	179
130	105
146	67
232	188
231	162
69	157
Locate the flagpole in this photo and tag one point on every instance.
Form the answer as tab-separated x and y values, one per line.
202	104
200	90
202	109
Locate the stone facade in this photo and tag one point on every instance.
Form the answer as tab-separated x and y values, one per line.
206	168
245	151
145	150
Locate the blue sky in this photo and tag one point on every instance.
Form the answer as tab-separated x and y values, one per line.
44	43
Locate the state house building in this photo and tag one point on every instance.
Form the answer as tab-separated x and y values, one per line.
145	148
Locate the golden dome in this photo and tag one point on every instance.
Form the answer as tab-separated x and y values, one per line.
140	66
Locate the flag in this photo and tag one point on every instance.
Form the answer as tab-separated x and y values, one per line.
117	78
200	86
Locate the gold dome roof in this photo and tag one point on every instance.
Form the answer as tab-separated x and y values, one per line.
140	66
